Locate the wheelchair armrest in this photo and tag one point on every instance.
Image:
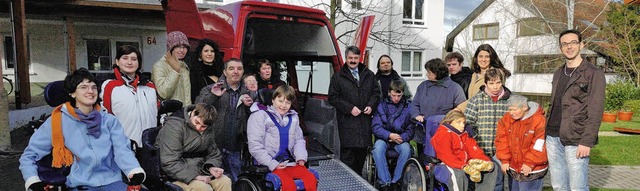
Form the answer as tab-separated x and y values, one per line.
256	169
432	160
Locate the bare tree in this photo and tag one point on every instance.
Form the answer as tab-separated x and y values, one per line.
385	30
622	40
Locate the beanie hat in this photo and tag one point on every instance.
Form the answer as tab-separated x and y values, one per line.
176	38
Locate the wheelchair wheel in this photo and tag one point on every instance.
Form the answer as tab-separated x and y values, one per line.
414	176
369	170
245	184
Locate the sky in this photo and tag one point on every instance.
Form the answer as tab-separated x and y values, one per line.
455	11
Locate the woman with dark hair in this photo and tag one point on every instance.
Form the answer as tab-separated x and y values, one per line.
435	96
207	69
81	136
484	58
131	97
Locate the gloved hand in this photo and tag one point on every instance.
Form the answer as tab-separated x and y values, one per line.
474	174
136	179
38	186
481	165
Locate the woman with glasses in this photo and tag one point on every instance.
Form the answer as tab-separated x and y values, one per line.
131	97
81	136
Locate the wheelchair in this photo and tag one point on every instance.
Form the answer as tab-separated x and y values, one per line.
56	178
149	156
418	174
257	177
370	172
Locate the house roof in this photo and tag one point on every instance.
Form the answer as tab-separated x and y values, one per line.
472	16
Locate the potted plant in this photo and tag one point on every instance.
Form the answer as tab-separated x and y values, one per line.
627	110
616	93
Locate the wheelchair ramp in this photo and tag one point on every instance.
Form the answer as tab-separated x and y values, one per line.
335	175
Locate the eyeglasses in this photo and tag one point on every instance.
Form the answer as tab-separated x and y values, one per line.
572	43
87	88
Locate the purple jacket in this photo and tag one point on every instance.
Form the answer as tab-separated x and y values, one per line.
264	138
393	118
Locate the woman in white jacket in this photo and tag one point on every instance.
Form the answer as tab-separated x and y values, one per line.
130	96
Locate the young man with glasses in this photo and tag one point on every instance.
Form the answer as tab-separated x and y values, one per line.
577	103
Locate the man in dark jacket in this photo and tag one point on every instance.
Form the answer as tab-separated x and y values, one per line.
353	91
232	114
188	152
386	74
577	103
459	74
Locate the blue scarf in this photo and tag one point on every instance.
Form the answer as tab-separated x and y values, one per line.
93	120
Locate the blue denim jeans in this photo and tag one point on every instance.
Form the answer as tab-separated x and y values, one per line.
118	185
232	164
499	175
534	185
567	172
380	158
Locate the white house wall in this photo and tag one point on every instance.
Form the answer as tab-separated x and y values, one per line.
508	45
48	54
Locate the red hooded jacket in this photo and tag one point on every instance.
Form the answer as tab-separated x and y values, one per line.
522	141
456	148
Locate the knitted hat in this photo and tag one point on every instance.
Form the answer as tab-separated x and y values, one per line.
176	38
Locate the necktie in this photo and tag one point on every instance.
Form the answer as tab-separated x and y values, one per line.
355	75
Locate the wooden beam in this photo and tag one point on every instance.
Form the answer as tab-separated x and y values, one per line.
116	5
71	44
22	59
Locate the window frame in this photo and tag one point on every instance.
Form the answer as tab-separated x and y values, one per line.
113	40
412	73
521	23
518	61
413	20
11	71
486	27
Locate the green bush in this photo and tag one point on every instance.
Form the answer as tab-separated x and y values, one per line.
632	105
616	93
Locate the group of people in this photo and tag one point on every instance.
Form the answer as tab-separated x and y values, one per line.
488	133
199	145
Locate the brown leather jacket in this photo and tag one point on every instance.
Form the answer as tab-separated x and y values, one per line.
582	105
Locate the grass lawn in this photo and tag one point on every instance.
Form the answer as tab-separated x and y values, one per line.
618	150
633	124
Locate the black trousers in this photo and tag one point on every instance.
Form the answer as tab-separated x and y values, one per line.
354	157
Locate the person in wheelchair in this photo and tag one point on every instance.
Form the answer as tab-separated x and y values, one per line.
392	128
275	140
188	153
460	153
80	136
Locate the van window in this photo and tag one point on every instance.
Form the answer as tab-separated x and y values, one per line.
301	46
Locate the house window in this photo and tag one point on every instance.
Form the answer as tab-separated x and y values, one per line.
356	4
485	31
538	63
101	53
532	27
8	53
412	12
411	61
9	61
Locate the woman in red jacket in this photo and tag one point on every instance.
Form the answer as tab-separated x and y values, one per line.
520	144
460	153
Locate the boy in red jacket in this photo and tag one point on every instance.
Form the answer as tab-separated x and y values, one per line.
520	144
460	153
